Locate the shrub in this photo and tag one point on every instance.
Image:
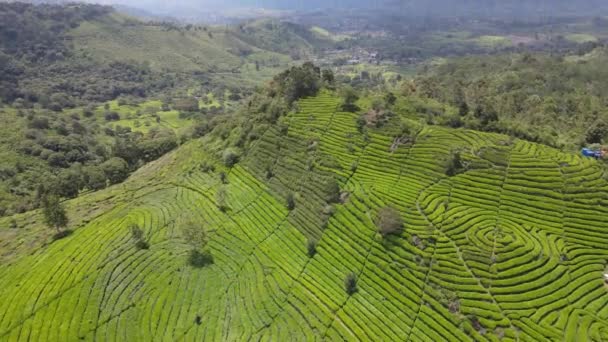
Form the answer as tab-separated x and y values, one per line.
350	283
112	116
39	123
388	221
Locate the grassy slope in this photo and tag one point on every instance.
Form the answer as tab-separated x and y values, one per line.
519	239
228	54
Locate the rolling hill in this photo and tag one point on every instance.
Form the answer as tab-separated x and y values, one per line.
511	247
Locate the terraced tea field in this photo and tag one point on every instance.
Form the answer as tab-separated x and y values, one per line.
512	249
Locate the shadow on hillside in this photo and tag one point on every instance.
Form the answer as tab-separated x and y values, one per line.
62	234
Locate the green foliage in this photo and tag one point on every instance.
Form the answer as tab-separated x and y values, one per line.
199	259
187	104
535	97
116	170
596	133
230	158
388	221
255	248
94	178
290	201
221	199
350	283
349	98
55	215
298	82
194	233
311	247
332	191
138	237
454	165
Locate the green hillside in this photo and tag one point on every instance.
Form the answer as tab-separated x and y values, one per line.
190	49
510	247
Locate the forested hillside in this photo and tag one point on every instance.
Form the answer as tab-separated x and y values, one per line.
557	100
90	95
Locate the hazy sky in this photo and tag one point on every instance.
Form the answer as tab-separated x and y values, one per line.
223	4
486	8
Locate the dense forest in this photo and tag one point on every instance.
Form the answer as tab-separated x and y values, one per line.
554	99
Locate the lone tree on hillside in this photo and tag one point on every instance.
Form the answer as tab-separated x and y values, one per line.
138	237
455	165
349	98
221	199
196	236
350	283
332	191
388	221
54	213
291	201
230	158
311	247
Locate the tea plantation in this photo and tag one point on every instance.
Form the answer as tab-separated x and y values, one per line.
511	247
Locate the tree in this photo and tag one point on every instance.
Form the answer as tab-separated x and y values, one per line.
57	159
54	213
94	178
195	235
388	221
349	98
455	165
116	170
328	76
332	190
230	158
138	236
390	99
220	199
463	108
298	82
291	201
350	283
311	247
68	183
596	133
